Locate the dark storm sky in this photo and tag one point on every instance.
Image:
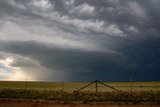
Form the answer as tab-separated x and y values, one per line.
80	40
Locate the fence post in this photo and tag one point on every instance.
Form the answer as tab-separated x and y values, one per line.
96	86
62	86
26	84
131	84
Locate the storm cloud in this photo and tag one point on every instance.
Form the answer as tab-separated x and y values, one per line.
80	40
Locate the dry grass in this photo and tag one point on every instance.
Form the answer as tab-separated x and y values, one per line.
71	86
136	97
142	91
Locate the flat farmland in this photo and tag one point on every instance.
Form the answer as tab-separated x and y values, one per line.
72	86
18	93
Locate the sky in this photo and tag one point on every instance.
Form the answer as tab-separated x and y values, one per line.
79	40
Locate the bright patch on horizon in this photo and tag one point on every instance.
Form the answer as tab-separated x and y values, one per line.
8	72
17	75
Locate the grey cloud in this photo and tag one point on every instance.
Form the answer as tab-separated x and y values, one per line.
20	61
68	61
106	66
83	9
115	41
54	16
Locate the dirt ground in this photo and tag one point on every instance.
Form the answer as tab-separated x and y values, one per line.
48	103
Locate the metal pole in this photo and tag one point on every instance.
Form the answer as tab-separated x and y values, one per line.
131	84
84	87
108	86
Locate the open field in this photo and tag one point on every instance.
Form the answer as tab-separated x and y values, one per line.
71	86
142	92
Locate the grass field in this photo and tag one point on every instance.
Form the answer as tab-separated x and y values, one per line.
141	91
71	86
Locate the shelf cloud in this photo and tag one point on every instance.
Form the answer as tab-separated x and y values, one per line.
79	40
